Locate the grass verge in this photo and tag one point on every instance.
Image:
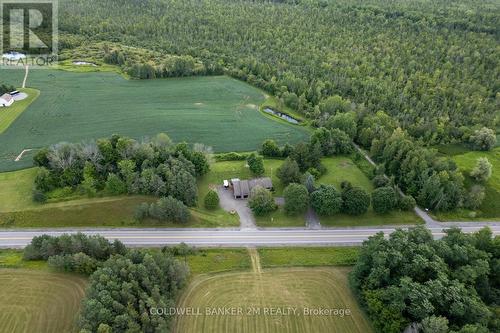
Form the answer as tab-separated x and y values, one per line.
308	256
278	219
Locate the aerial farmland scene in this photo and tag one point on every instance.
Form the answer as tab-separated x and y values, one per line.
249	166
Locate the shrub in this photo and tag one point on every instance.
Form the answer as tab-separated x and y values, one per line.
289	172
211	200
483	139
345	185
261	201
169	209
114	185
407	203
270	149
141	211
44	181
482	170
383	199
326	200
232	156
309	182
381	181
40	159
255	164
355	201
296	199
39	196
475	197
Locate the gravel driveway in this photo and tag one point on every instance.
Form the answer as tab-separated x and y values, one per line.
229	203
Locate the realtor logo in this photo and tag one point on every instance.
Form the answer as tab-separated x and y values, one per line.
28	31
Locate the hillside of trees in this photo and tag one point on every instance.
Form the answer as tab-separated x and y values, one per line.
432	66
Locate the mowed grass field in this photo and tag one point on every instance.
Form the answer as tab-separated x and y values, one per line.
275	288
490	209
218	111
39	301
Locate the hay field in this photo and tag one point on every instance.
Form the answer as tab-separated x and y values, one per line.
39	301
275	288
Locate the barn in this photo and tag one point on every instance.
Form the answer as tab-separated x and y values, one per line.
6	100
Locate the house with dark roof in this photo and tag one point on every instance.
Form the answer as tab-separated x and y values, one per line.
242	188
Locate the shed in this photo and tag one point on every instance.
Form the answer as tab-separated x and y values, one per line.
6	100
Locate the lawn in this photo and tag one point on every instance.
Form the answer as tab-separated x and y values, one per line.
490	209
278	219
39	301
308	256
9	114
340	168
296	288
218	111
106	212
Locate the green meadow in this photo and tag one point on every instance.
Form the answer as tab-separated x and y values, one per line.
490	209
217	111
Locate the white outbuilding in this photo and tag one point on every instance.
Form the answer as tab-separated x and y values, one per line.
6	100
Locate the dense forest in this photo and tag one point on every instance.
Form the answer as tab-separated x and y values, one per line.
433	66
438	286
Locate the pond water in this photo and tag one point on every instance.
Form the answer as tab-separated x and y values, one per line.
282	115
83	63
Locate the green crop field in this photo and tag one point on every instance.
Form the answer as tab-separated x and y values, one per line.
292	287
218	111
39	301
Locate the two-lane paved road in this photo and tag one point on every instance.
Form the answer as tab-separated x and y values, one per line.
222	238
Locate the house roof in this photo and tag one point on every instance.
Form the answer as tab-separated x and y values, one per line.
265	182
245	188
6	97
236	188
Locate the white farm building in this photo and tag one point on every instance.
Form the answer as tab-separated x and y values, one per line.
6	100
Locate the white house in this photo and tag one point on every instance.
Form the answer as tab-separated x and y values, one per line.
6	100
